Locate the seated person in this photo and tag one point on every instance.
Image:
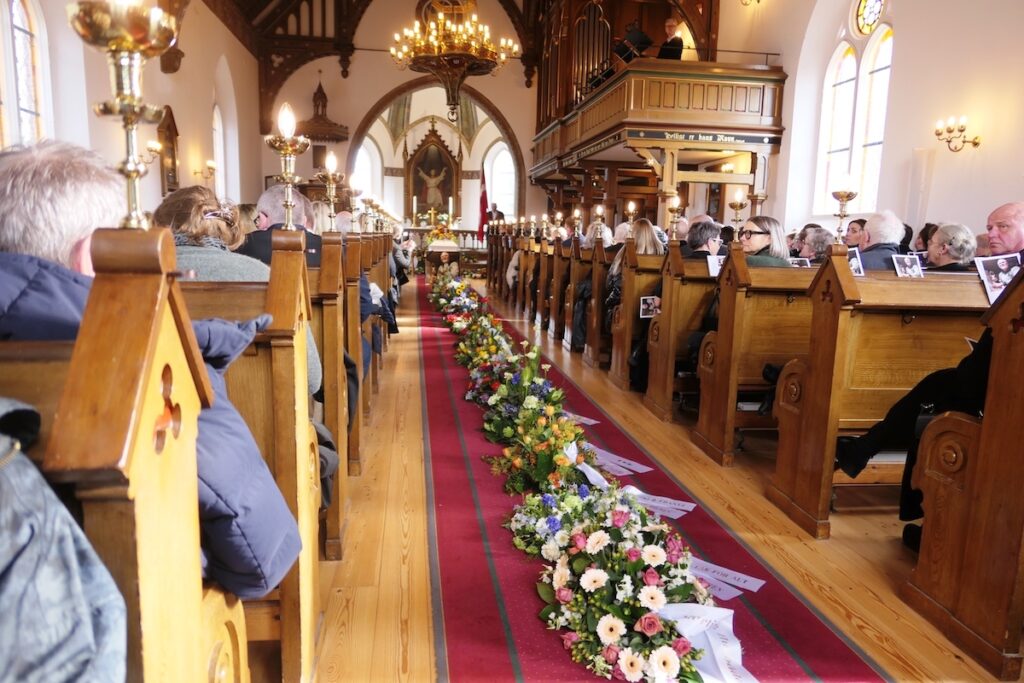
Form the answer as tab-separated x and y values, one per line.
672	48
621	232
53	196
271	217
854	233
204	235
447	267
597	230
764	243
880	241
704	239
924	237
962	389
951	247
814	244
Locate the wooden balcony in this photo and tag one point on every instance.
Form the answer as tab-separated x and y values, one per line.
651	102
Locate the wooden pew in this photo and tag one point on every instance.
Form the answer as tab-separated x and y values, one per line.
764	316
353	344
131	455
968	579
639	275
493	257
533	280
597	350
560	268
544	283
579	270
327	297
369	261
874	338
686	291
268	385
505	251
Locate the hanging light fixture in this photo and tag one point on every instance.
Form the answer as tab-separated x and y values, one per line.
451	51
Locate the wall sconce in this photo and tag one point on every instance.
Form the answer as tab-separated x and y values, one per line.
746	3
954	134
207	173
153	149
727	168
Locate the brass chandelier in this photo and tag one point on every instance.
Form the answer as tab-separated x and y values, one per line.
451	51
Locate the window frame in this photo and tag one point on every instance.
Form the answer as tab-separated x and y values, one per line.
220	178
493	151
10	111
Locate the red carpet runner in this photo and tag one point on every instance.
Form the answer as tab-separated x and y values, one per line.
485	606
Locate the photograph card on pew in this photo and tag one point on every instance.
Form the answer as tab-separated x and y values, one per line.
856	267
648	306
715	264
907	265
996	272
800	262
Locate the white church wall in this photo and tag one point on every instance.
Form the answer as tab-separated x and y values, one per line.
939	70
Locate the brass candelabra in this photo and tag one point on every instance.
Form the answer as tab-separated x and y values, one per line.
844	197
130	34
737	206
331	179
288	146
675	211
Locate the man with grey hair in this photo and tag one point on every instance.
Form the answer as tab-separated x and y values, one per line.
703	240
881	241
52	196
271	216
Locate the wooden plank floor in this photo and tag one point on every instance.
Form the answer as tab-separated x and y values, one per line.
378	620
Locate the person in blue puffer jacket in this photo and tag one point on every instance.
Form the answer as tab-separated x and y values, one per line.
52	196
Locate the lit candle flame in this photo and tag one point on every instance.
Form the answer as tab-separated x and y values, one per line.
332	163
286	121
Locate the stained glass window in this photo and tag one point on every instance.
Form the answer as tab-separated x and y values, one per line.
869	13
26	73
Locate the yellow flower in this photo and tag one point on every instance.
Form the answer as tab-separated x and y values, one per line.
541	421
561	460
549	411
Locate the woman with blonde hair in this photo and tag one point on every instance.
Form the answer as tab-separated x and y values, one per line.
764	242
646	241
247	215
205	232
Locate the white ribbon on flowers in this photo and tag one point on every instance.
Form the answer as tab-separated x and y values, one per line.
710	629
593	476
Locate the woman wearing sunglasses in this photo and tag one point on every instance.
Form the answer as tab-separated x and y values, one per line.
764	243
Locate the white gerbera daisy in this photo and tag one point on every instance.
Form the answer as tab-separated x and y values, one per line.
593	579
652	598
653	555
562	538
663	664
632	665
597	541
609	629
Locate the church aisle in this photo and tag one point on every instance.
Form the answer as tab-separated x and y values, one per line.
377	621
852	579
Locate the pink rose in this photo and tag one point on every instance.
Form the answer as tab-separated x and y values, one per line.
563	595
611	653
674	549
617	673
649	624
569	638
652	577
580	541
633	554
682	646
619	518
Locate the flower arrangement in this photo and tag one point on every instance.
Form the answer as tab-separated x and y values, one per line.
525	385
441	231
544	451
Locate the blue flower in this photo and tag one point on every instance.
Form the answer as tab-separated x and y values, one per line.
548	500
515	378
583	491
554	524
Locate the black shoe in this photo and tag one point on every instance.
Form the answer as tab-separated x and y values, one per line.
848	459
912	537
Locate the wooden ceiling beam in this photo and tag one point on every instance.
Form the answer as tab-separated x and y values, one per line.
236	21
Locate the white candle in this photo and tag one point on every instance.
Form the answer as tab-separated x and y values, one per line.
414	205
451	205
739	196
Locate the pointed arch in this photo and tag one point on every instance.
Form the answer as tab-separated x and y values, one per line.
835	140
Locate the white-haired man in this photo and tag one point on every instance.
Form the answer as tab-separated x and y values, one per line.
880	241
270	216
962	388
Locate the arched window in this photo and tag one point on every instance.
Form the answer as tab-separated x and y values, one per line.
853	108
873	99
219	157
28	99
501	178
837	110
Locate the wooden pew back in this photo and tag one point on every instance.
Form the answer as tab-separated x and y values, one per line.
131	454
874	338
354	345
579	270
597	351
639	275
544	283
764	316
268	385
969	579
560	269
687	290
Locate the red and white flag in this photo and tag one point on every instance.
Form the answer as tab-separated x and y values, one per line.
483	205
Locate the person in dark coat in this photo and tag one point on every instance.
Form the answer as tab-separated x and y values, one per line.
52	195
704	239
962	389
271	217
881	241
672	48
